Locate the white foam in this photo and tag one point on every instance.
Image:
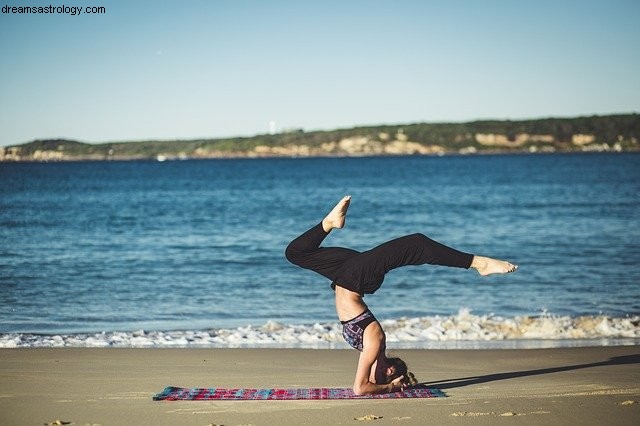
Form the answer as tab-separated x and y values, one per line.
420	332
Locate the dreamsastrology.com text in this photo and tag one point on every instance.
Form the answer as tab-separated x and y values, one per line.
51	9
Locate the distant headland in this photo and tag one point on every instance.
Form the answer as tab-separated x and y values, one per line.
593	133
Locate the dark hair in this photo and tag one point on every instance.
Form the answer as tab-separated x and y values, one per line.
400	368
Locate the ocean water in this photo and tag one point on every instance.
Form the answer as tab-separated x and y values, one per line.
191	252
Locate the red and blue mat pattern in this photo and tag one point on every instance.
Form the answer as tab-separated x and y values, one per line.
172	393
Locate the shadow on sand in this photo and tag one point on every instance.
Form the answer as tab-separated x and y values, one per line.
466	381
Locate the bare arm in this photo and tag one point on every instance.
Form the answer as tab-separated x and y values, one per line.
372	343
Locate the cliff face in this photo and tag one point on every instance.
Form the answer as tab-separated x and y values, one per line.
609	133
519	139
352	146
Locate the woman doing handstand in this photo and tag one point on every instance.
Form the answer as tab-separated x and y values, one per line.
354	274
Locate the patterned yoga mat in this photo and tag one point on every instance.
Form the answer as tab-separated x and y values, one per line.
171	393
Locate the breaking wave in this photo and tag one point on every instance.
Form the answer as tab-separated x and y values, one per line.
463	330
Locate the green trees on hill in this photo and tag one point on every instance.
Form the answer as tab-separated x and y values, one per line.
563	134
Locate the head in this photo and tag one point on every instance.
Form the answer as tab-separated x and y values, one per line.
396	368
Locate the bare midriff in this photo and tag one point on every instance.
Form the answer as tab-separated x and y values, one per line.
349	304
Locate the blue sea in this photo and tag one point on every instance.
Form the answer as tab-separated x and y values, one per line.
148	253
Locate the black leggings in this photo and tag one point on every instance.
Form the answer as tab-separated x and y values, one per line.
363	272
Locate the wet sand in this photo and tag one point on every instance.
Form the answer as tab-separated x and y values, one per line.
588	386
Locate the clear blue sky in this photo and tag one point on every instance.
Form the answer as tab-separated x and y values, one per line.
207	68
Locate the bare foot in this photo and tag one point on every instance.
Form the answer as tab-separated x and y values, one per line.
337	216
487	266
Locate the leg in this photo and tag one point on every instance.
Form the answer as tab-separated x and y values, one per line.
418	249
305	250
365	273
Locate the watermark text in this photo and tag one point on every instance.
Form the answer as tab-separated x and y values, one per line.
53	9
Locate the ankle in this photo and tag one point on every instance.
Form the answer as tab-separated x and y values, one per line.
478	262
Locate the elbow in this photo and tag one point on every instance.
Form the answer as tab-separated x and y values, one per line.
361	390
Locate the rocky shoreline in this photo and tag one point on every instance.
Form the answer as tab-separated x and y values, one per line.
583	134
395	148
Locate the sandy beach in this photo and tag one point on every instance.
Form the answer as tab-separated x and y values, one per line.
598	385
